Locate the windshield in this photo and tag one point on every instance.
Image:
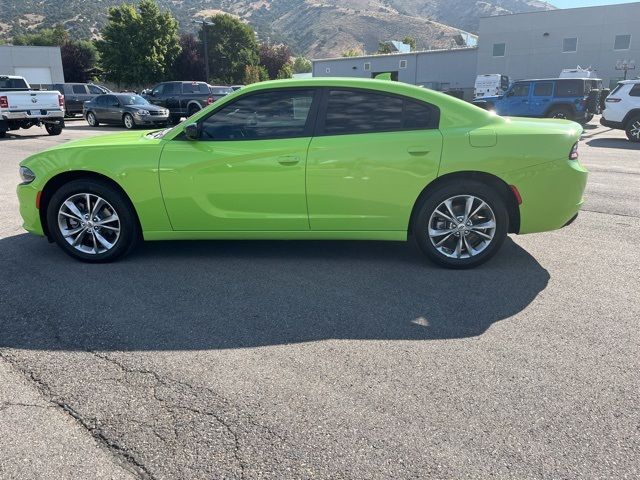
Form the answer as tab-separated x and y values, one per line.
133	100
221	90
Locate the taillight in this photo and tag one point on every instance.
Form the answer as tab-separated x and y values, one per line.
573	154
61	100
4	102
209	100
613	100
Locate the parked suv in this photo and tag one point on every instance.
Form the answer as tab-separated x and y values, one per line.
623	109
75	94
183	99
575	99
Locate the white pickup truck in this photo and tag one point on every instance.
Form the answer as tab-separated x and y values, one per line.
21	107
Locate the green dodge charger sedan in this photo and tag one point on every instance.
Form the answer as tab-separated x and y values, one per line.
349	159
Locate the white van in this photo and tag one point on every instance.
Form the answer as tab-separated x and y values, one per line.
490	84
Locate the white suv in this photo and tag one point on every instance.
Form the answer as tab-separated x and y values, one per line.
623	109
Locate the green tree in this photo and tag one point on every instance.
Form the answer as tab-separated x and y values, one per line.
351	53
78	59
410	41
302	65
285	72
45	37
232	46
384	47
138	46
274	57
254	74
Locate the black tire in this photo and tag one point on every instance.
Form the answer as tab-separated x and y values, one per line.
3	133
632	129
193	109
53	129
92	120
175	119
427	206
128	121
587	118
560	113
129	233
593	102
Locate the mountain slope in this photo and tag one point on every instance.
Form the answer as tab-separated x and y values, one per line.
316	28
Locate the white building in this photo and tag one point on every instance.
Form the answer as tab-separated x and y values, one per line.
37	64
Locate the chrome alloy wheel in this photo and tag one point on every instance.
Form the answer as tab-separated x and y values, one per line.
128	121
89	223
634	129
462	226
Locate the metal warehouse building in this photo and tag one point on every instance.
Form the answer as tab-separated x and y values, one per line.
436	69
541	44
527	45
37	64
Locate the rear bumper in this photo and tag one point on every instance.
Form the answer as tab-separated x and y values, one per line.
611	124
552	194
37	115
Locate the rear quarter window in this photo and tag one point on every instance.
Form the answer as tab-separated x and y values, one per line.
635	90
570	88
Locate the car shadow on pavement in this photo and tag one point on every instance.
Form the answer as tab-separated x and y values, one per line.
218	295
613	143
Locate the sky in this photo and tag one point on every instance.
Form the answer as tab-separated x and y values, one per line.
585	3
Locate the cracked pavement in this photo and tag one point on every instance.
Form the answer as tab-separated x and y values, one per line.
234	360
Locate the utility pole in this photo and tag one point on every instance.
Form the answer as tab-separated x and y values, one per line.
204	24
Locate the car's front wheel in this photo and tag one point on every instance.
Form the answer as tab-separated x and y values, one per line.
633	129
128	121
461	224
92	221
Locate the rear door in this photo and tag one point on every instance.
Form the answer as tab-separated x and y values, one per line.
370	158
541	98
79	94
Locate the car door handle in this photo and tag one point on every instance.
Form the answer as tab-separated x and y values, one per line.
288	159
418	151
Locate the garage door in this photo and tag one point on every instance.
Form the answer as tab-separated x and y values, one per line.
34	74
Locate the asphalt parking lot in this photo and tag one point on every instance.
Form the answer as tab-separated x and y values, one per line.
352	360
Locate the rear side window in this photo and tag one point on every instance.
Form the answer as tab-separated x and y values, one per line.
81	89
359	111
570	88
543	89
171	88
635	90
195	88
11	83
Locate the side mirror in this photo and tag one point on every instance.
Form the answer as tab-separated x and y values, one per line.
191	131
509	93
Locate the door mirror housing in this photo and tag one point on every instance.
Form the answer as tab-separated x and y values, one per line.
191	131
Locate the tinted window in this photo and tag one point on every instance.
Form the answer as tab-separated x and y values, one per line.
353	111
520	90
499	49
543	89
101	101
11	83
221	90
159	90
635	90
570	88
78	89
274	114
94	90
569	45
622	42
195	88
132	100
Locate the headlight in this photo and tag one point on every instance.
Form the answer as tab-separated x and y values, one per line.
142	112
27	175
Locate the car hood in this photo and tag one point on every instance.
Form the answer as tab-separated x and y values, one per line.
150	107
135	137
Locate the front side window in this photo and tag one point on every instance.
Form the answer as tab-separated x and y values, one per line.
622	42
159	90
95	90
543	89
358	111
570	45
261	116
133	100
499	49
520	90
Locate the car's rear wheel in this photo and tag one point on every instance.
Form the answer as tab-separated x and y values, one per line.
561	113
461	224
193	109
127	119
633	129
53	129
92	120
92	221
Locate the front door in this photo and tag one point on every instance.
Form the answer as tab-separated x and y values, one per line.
541	98
517	100
372	156
246	171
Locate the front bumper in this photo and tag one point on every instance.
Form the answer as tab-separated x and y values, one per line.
150	119
552	194
27	196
